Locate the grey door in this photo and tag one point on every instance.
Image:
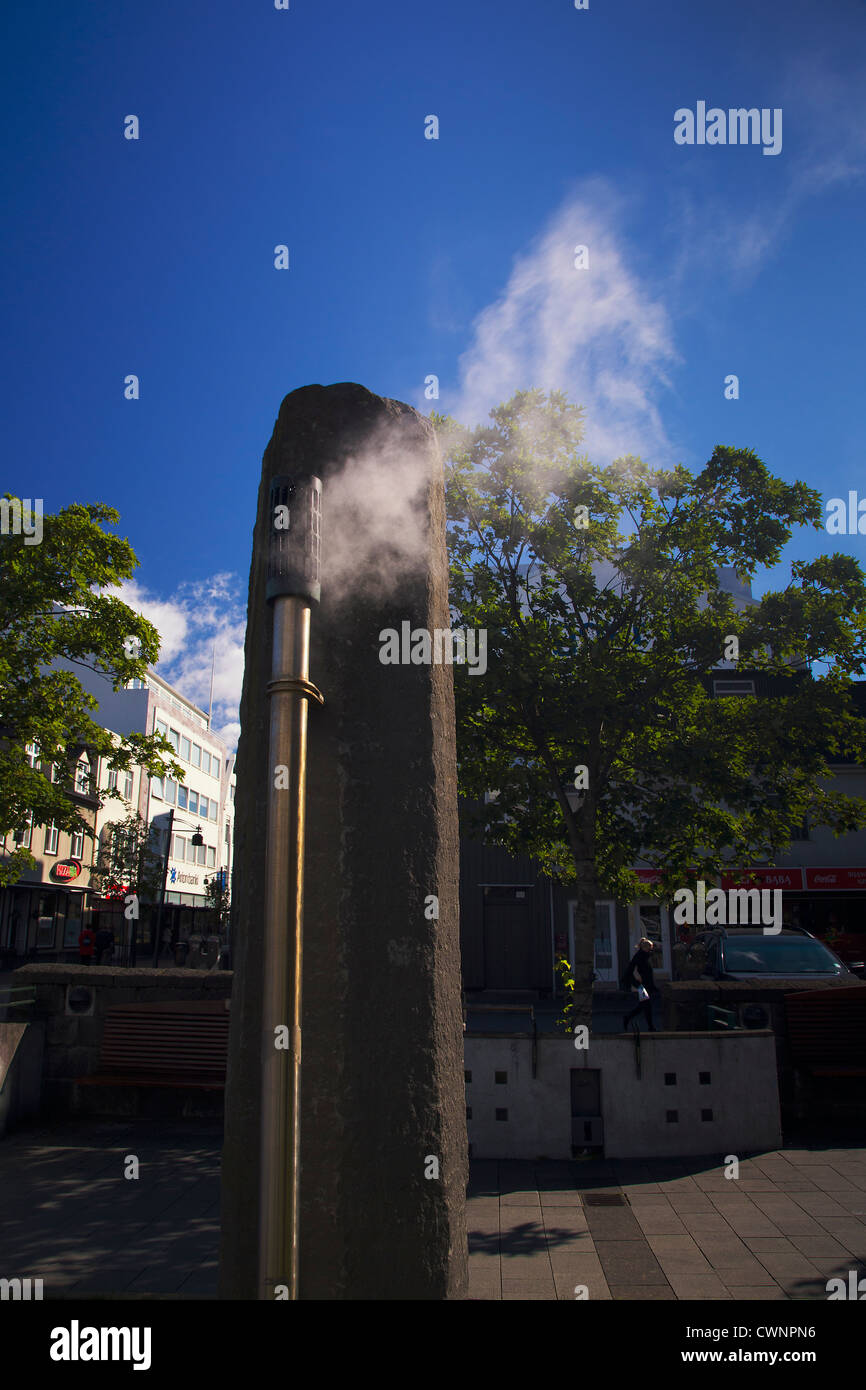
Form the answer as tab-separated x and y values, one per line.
507	955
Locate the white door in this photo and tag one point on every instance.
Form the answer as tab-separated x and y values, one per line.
650	919
605	955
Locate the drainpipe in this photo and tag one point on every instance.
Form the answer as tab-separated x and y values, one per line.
292	588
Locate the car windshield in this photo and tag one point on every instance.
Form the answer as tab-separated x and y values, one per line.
780	957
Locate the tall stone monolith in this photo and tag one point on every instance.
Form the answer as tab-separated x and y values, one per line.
383	1138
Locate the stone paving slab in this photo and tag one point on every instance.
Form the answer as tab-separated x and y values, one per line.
683	1231
792	1220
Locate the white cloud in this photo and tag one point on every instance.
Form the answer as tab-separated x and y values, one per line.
202	620
599	334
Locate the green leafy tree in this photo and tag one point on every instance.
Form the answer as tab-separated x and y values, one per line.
52	606
218	899
594	728
130	859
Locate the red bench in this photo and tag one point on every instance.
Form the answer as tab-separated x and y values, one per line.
827	1030
172	1044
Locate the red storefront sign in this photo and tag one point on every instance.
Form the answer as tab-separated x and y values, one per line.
836	880
791	879
66	869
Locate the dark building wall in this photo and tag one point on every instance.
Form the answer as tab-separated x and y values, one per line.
485	913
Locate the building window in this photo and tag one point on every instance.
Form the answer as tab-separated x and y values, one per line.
704	1078
170	790
193	802
212	813
228	833
112	778
740	687
161	727
200	853
128	785
467	1077
77	845
500	1078
21	838
173	738
232	792
184	748
196	755
211	857
82	777
156	787
51	834
672	1117
202	806
706	1114
502	1114
32	751
181	798
177	851
670	1078
205	761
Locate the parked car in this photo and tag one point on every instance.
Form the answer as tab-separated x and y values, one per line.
850	947
743	953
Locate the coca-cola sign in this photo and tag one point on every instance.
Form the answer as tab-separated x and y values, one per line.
842	880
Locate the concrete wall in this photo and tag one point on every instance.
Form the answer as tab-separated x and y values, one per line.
72	1040
21	1049
741	1093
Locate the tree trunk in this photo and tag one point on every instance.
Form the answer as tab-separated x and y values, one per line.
581	835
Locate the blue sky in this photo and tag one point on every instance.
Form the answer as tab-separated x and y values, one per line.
411	256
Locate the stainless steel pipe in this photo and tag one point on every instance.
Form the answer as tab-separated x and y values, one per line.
289	691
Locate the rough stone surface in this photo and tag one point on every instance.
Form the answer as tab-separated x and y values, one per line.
382	1041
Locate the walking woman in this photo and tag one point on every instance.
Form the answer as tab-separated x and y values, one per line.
641	963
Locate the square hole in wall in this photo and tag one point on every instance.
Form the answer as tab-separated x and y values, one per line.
706	1114
704	1078
670	1078
672	1116
502	1114
501	1078
467	1076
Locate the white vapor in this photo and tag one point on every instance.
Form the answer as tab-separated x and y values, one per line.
598	334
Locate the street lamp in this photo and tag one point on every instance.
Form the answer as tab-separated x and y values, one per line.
294	522
197	839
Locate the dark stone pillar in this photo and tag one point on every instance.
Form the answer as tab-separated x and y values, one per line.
382	1058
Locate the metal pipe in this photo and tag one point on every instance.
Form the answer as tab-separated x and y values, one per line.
292	587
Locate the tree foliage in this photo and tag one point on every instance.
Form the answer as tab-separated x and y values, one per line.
129	860
53	605
599	589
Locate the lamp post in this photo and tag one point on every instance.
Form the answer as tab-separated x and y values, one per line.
292	587
197	839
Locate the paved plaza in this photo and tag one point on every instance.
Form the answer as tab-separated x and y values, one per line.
669	1229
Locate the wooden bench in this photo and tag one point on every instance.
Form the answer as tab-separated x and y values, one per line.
180	1045
827	1030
